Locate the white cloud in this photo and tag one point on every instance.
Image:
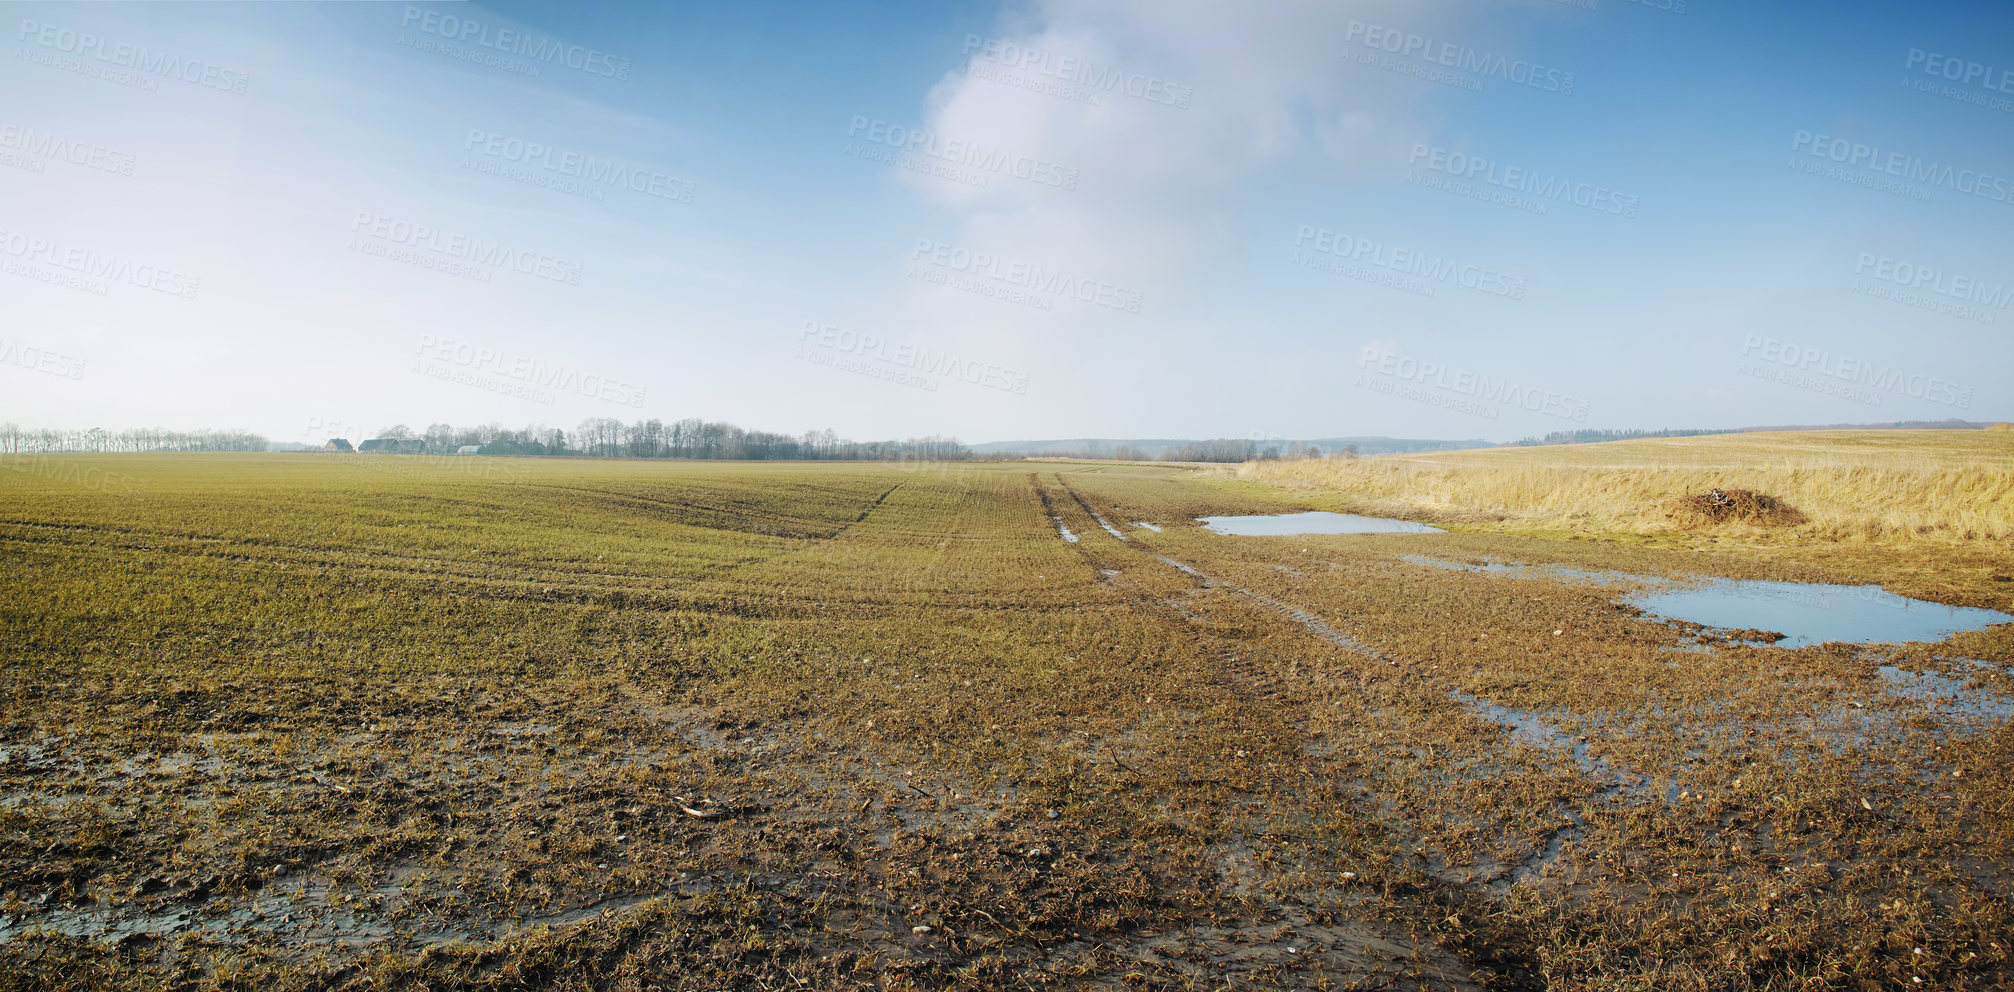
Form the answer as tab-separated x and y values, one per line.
1159	188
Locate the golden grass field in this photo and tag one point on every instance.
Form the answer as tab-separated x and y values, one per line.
1933	485
1926	501
383	722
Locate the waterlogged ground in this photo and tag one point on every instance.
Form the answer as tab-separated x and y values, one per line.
1786	614
308	722
1311	522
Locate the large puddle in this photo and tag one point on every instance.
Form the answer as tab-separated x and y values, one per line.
1805	613
1312	522
1812	613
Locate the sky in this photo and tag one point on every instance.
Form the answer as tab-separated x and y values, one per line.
1058	218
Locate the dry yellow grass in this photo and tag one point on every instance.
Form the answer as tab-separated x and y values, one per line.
1881	485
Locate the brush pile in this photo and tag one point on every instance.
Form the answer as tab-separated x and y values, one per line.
1719	506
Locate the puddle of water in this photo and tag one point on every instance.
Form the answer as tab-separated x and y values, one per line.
1143	523
1062	531
1538	732
1486	568
1805	613
1312	522
299	914
1814	613
1947	694
1522	570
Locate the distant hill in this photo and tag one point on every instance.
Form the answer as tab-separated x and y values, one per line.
1155	447
1106	447
1899	425
1597	436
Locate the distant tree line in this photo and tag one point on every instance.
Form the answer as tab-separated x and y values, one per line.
1231	450
16	440
607	437
1590	436
1221	449
599	437
1218	450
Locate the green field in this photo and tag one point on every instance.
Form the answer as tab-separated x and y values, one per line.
278	722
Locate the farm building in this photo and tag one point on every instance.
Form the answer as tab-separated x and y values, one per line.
393	446
338	444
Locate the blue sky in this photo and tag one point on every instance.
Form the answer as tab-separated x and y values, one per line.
306	219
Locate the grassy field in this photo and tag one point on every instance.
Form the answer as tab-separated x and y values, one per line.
382	722
1932	510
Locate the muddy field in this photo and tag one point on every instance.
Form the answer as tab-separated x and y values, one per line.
280	722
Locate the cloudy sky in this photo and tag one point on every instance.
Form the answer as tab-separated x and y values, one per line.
1119	218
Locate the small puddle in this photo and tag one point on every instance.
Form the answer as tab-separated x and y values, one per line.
1541	733
1522	570
1312	522
1814	613
1947	694
1063	531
